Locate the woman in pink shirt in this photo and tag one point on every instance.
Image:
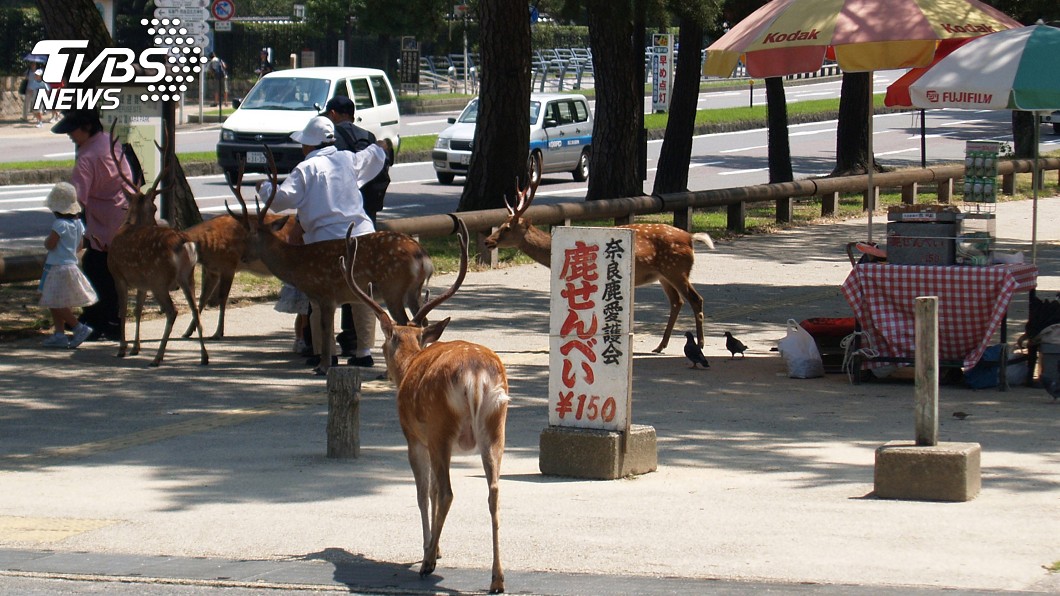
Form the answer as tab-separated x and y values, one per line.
101	192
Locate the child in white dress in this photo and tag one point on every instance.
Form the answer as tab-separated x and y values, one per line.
62	285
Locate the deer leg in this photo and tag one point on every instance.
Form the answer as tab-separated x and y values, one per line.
443	497
209	285
491	465
196	320
420	462
675	309
138	312
166	302
224	288
122	290
695	302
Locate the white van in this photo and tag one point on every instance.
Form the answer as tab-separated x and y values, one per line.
282	102
561	136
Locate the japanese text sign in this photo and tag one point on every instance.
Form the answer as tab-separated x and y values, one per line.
590	329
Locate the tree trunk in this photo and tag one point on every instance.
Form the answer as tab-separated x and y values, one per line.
502	133
613	162
676	152
852	134
777	122
1023	124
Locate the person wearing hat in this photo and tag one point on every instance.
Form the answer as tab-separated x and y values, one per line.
350	137
35	85
323	190
100	186
62	284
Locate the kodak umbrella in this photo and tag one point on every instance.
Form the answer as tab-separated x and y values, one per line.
1017	69
791	36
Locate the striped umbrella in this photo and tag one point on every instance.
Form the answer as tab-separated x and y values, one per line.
792	36
1017	69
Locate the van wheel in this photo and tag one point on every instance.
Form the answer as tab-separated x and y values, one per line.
581	173
445	177
533	168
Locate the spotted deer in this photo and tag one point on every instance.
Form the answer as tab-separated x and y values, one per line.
394	263
663	253
148	257
222	241
450	395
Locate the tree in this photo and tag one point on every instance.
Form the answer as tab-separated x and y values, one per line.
777	125
676	152
502	133
619	102
79	19
852	136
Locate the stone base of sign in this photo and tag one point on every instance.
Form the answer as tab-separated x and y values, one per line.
597	454
943	472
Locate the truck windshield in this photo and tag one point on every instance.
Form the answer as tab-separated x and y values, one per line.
470	113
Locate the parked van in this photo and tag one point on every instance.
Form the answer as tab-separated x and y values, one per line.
282	102
561	136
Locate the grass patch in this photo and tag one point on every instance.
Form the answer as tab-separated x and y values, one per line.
418	142
1054	568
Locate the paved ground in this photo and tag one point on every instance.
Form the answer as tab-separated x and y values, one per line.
211	476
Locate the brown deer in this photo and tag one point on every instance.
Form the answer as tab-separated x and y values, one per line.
222	241
148	257
450	395
394	263
663	253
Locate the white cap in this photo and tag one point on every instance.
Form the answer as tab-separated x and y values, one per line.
63	199
318	131
38	72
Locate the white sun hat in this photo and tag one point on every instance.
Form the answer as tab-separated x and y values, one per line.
63	199
318	131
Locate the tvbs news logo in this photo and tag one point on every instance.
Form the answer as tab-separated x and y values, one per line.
165	71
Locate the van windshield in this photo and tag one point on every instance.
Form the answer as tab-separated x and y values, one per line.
287	93
470	113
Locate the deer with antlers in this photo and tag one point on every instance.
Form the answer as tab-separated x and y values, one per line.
663	253
450	395
148	257
222	241
394	263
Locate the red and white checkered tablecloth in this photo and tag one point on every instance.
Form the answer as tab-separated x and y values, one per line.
973	301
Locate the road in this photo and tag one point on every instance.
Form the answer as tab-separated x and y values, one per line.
718	161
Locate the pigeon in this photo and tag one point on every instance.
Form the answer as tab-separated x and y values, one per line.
961	415
693	352
734	346
1052	385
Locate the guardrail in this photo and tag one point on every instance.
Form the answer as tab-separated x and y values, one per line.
28	267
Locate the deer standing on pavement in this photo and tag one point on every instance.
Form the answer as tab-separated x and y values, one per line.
449	395
663	253
148	257
222	241
394	263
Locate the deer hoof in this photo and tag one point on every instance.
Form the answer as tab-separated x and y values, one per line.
427	568
497	586
205	360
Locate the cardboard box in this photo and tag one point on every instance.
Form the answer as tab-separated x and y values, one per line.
921	243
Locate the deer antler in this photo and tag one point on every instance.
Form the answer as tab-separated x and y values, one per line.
236	188
421	314
522	200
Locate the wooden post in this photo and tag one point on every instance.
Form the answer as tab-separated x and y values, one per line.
927	370
486	256
737	217
829	203
945	190
344	412
909	193
683	218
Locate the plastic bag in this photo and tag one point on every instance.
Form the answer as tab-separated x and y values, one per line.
800	353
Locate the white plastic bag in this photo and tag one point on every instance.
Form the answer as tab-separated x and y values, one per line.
800	353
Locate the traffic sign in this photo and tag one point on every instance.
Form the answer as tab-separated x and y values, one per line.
184	14
222	25
223	9
182	3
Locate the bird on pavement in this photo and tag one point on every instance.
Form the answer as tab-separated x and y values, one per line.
1053	384
734	346
693	352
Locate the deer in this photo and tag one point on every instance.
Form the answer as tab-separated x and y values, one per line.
450	395
392	262
146	257
222	241
663	253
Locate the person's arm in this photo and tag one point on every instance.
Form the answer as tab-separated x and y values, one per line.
288	195
51	241
368	163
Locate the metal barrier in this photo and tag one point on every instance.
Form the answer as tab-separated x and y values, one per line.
622	211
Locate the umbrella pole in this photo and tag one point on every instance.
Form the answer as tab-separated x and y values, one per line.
1034	192
870	167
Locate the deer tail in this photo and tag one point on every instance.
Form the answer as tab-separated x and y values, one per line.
704	238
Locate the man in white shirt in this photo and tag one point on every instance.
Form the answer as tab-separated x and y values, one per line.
324	190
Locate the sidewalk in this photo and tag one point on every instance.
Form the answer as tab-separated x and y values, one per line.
216	475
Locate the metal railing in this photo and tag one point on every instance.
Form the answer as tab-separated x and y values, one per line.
622	211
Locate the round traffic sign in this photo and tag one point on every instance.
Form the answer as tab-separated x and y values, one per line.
223	9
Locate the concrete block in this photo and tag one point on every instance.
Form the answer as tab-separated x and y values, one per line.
943	472
597	454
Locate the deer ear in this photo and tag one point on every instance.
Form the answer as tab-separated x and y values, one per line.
433	332
277	225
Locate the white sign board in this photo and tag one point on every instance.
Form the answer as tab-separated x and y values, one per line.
139	123
662	72
185	14
591	328
182	3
